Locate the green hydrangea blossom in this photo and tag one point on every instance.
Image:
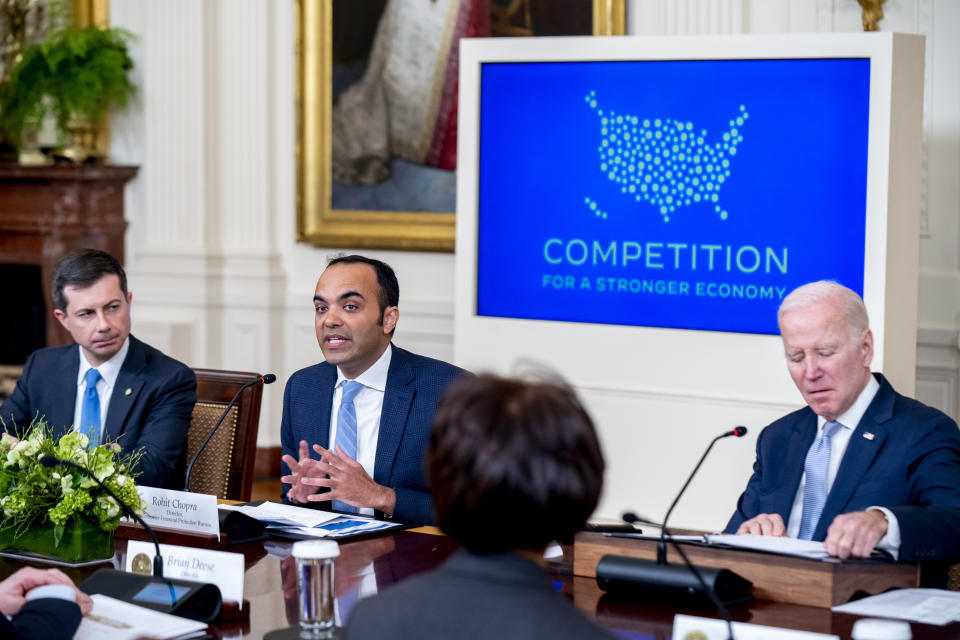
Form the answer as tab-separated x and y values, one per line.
34	495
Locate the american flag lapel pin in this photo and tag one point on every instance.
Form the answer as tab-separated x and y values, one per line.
868	435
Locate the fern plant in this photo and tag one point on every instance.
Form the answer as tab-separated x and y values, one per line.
76	71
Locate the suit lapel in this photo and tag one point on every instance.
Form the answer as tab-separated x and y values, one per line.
125	391
63	405
320	405
859	455
397	398
804	432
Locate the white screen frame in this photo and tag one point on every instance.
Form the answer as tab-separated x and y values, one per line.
890	269
659	395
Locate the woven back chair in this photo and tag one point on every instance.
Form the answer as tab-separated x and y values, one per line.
225	468
953	577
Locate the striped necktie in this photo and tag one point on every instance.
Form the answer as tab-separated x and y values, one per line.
347	429
815	489
90	410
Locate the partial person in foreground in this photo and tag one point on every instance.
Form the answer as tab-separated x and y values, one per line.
861	467
355	428
513	466
109	385
42	604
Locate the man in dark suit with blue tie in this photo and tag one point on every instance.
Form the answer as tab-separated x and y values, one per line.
367	410
110	386
861	467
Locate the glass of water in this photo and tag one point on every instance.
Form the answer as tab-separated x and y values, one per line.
315	560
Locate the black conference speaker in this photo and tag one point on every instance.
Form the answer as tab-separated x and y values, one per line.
635	577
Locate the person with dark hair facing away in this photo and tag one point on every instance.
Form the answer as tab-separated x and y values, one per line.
367	410
513	466
109	386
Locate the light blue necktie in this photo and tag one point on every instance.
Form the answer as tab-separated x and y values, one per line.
90	411
815	489
347	429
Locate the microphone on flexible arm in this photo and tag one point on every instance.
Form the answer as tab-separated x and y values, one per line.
50	461
658	579
632	518
195	600
264	379
662	545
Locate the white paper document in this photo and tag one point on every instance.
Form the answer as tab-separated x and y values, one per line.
932	606
772	544
769	544
285	515
309	522
337	528
117	620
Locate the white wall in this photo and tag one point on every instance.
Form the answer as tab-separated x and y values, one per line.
218	280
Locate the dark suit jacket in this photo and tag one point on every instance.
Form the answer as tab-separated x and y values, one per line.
153	417
500	596
910	465
414	387
42	619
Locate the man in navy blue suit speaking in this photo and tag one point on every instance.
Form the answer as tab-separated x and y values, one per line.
365	412
861	467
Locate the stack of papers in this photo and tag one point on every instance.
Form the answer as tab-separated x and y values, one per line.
932	606
288	519
771	544
119	620
767	544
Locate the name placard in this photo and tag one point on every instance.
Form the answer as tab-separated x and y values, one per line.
196	512
200	565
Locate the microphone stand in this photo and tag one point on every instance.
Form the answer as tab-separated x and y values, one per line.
662	545
50	461
658	579
264	379
202	601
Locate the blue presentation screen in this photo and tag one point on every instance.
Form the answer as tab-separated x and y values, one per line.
684	194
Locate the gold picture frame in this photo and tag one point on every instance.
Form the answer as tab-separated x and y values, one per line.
317	222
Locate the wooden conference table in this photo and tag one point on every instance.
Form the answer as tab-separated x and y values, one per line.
270	589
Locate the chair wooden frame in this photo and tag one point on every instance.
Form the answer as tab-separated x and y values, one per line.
215	389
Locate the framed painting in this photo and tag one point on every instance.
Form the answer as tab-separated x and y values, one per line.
376	109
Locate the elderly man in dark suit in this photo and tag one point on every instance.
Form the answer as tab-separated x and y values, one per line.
513	466
861	466
109	385
366	410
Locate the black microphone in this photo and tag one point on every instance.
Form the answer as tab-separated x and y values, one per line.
632	518
657	579
264	379
50	461
194	600
662	545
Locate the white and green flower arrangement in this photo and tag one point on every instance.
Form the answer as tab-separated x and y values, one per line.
33	496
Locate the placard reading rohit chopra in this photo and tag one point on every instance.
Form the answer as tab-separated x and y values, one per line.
196	512
689	194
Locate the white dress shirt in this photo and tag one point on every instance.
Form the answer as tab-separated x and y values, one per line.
369	405
848	420
109	371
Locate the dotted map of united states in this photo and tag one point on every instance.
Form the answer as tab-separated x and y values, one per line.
664	162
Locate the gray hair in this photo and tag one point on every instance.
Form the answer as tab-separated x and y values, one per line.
850	302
